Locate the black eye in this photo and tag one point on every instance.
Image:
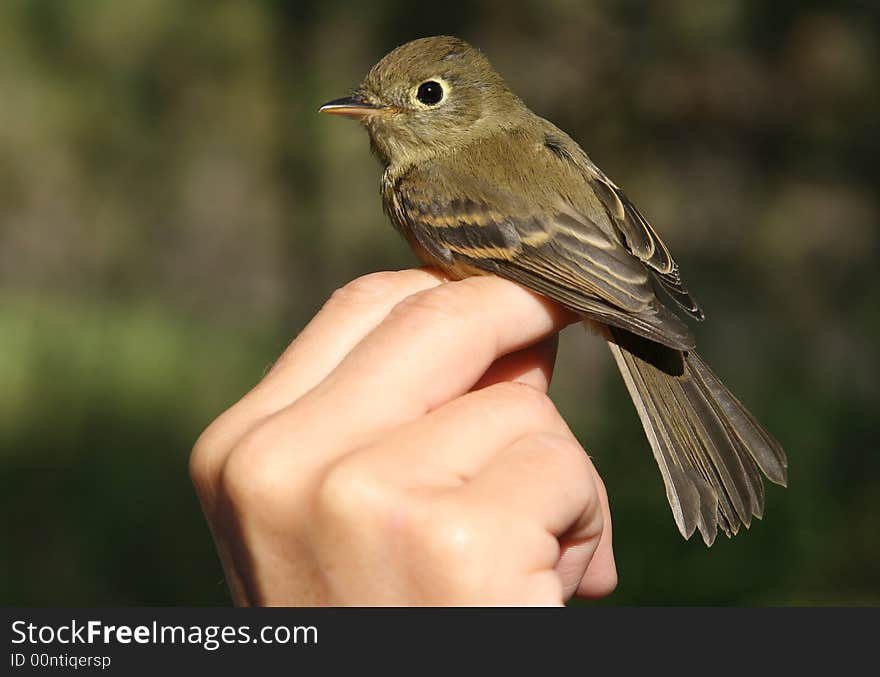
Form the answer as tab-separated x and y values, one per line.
430	93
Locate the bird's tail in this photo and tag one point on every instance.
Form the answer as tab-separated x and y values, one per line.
708	446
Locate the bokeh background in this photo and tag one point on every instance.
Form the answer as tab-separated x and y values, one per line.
173	210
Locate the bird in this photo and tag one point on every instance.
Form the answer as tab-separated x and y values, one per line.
478	184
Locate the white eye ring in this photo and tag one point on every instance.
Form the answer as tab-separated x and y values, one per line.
423	93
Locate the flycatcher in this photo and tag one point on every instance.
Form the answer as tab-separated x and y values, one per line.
480	185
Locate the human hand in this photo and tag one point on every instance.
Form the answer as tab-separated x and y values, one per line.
403	451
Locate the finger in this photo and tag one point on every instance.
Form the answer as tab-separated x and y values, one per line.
347	317
543	480
350	314
451	444
434	346
600	578
329	424
532	366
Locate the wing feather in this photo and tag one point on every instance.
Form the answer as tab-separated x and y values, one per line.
561	254
643	241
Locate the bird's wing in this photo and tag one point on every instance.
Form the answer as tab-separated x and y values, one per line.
642	240
559	252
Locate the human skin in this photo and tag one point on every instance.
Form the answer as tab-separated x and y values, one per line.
403	451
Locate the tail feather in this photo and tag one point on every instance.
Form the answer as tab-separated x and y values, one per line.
711	451
766	451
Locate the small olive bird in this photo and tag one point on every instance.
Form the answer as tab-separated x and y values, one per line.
480	185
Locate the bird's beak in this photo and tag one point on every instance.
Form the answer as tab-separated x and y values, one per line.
354	106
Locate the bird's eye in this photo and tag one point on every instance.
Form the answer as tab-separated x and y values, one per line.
430	93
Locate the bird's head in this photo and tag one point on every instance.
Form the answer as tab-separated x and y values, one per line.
429	96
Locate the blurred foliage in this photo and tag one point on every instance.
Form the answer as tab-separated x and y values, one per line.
172	211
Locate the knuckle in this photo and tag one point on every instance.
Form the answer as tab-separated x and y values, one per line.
200	458
435	307
208	451
534	405
452	540
347	490
365	289
248	475
566	455
559	445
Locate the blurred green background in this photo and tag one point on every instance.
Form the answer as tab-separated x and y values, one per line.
173	210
